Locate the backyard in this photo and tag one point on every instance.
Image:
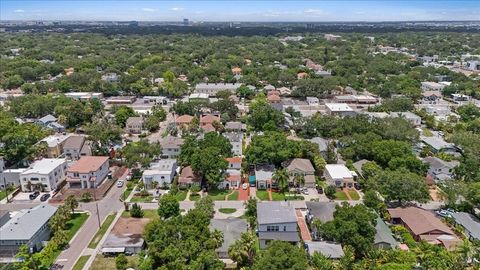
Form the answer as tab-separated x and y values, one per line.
103	263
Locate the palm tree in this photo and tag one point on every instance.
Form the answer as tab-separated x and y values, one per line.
71	203
217	237
300	180
281	177
243	250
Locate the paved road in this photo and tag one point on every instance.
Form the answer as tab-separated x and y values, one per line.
156	136
111	203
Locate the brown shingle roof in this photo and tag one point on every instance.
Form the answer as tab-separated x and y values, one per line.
75	142
420	221
209	119
300	164
87	164
187	176
184	119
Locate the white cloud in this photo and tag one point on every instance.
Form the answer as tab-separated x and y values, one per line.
313	11
177	9
148	9
19	11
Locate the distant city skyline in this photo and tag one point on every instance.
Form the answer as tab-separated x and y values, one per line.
258	11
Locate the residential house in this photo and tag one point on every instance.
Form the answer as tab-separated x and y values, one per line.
110	77
161	173
236	71
55	144
338	175
323	211
432	86
213	88
233	176
414	119
171	146
236	140
300	167
276	221
331	37
431	97
470	224
439	169
263	175
183	121
383	236
47	119
57	127
424	225
438	144
232	230
339	109
235	126
269	88
322	145
134	125
10	177
188	178
332	251
44	175
284	91
460	97
27	227
208	120
88	172
75	147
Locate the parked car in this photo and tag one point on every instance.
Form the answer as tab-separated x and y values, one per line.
129	177
120	183
305	191
45	197
319	190
110	175
357	186
34	195
245	185
444	213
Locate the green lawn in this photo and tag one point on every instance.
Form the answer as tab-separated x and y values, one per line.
233	196
98	236
147	213
340	195
181	195
106	263
4	193
262	195
74	224
277	196
194	197
218	194
81	262
354	194
141	199
227	210
426	132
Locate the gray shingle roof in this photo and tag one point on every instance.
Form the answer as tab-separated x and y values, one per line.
322	210
275	212
231	228
27	222
329	250
75	142
469	222
384	234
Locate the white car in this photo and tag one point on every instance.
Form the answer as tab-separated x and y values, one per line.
245	186
120	183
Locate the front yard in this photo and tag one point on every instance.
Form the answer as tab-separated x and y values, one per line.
103	263
262	195
340	195
218	194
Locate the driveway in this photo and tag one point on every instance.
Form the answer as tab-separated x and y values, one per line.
243	193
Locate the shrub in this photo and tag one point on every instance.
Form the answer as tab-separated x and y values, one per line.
136	211
86	197
330	192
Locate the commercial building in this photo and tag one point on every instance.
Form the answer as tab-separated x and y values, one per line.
43	175
339	109
213	88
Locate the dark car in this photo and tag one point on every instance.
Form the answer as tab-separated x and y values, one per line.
44	197
357	186
320	190
34	195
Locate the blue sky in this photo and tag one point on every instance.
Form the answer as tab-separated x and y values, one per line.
197	10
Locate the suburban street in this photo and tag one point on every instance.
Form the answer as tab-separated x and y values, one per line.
109	204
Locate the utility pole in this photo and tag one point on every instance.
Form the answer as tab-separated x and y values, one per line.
96	203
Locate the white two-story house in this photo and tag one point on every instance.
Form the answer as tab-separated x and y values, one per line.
43	175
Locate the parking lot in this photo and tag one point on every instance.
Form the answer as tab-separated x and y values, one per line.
23	197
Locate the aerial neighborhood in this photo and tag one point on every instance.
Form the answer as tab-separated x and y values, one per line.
346	150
